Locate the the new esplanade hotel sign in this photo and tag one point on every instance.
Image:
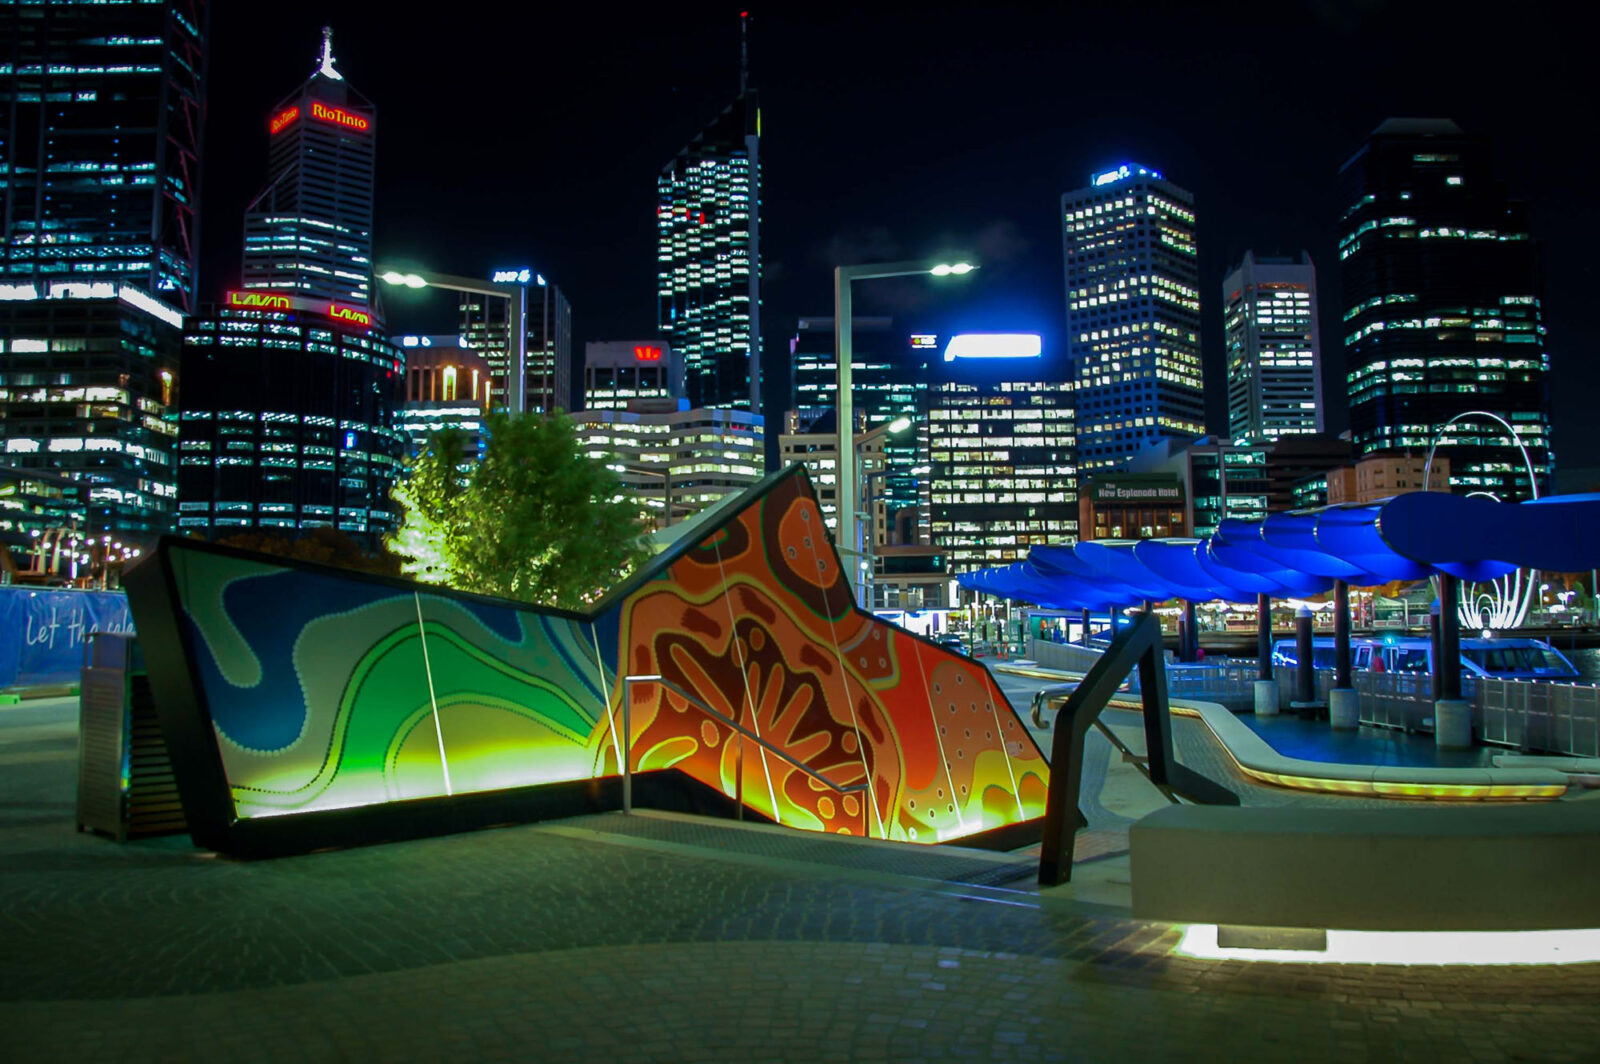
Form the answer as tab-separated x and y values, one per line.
1136	489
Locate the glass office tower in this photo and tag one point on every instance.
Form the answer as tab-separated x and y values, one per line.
1269	321
708	225
1442	311
998	435
1133	314
100	150
291	385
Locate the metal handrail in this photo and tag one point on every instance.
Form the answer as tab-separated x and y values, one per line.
657	678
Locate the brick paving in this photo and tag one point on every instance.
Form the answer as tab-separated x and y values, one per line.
593	939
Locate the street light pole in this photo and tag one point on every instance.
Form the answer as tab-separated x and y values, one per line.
844	400
516	295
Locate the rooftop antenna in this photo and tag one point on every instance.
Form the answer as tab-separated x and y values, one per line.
744	51
325	60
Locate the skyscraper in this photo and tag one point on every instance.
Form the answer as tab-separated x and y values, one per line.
890	374
1269	322
547	372
309	231
102	148
290	386
1442	311
99	147
708	225
998	434
1133	314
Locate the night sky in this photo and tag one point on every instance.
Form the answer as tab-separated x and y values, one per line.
531	134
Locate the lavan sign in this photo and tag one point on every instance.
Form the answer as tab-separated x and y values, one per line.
42	633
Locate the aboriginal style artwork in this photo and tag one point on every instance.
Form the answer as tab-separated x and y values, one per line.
753	673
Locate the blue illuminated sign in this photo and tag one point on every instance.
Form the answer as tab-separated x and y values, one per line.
1123	171
993	345
522	276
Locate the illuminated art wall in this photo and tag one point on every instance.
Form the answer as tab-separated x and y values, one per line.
329	691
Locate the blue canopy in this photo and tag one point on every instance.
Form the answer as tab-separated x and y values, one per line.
1409	537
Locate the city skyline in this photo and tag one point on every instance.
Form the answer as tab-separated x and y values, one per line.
1274	191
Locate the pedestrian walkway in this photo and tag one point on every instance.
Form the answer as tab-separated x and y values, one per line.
657	938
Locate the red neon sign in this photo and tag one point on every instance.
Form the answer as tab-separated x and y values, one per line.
647	354
339	117
349	314
283	119
261	300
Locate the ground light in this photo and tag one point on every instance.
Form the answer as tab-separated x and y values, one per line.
1581	946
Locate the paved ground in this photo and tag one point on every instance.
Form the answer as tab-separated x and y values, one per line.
657	938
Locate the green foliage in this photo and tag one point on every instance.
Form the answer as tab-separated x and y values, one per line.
327	546
535	520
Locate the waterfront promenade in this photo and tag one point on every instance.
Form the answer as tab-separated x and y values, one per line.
661	938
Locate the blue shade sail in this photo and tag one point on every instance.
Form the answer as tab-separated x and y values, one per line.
1410	537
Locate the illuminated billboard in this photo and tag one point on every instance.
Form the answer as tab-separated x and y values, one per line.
993	345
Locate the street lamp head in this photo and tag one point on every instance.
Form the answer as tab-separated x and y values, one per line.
945	269
899	425
410	280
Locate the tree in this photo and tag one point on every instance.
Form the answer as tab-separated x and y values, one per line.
535	520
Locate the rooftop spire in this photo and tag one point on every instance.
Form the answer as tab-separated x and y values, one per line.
325	60
744	51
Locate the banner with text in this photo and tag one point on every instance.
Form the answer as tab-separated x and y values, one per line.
42	633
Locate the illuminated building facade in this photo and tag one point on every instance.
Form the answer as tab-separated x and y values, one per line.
103	105
288	424
99	153
1442	311
641	375
447	387
694	456
889	374
291	385
43	519
1133	506
1274	359
998	434
1133	314
309	231
708	262
1242	479
485	322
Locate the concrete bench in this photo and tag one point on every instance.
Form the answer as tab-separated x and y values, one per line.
1531	866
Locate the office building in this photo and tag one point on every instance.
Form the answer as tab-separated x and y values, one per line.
447	387
104	105
1274	361
997	428
676	463
547	371
1442	307
889	373
1133	314
1219	478
309	231
100	146
642	375
1384	476
290	391
708	225
288	423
